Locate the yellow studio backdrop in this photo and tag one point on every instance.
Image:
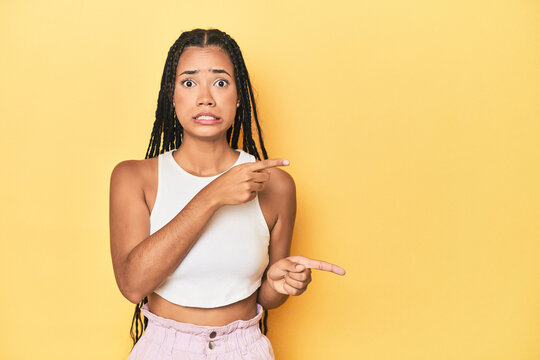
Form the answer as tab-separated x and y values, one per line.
413	132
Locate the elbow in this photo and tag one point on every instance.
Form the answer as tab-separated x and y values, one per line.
129	286
133	297
130	292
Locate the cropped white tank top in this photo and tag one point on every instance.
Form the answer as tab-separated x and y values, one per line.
227	261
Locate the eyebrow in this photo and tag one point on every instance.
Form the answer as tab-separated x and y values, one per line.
214	71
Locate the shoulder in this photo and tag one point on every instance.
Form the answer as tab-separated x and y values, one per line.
281	181
134	171
280	188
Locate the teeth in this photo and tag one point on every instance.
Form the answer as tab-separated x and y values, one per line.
206	117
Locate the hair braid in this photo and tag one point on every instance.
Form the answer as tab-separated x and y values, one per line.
248	92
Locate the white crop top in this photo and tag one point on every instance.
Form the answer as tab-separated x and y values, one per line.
227	262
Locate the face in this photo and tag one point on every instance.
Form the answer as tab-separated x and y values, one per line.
205	92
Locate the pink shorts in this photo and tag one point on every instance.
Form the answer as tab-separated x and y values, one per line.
170	339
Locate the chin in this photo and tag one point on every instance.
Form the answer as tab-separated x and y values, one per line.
209	134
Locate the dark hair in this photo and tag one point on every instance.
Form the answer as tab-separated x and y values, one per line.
168	128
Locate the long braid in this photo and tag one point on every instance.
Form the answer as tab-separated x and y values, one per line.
245	91
167	132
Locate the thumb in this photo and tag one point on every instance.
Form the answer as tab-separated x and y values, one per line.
282	267
292	266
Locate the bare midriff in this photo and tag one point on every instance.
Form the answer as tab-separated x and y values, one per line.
242	310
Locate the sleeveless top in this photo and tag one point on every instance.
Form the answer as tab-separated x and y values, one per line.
227	261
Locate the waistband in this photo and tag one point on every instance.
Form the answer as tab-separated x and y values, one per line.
201	329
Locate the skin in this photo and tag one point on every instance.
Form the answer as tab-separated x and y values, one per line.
141	262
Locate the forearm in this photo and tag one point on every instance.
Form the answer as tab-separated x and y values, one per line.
156	257
268	297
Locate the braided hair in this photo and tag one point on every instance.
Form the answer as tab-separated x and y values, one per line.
167	132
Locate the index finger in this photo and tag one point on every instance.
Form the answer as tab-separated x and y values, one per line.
318	264
267	163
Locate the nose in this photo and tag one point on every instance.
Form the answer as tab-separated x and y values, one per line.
205	97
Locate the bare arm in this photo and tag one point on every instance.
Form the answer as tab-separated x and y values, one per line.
142	262
282	194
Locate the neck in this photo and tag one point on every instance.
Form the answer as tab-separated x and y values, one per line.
205	158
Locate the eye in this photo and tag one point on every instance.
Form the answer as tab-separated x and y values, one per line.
222	83
188	83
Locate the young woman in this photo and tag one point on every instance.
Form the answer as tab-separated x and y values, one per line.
201	230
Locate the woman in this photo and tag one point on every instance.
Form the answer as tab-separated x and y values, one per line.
201	230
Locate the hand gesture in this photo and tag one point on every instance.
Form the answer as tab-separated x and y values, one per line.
291	275
241	182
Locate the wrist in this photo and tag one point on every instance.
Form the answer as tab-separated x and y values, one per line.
212	201
269	298
273	291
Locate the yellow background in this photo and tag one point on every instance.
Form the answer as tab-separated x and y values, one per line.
413	132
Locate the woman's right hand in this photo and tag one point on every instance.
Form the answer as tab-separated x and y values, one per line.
241	182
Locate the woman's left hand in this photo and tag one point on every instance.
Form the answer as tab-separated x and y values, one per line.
291	275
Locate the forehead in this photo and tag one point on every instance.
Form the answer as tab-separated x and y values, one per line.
203	59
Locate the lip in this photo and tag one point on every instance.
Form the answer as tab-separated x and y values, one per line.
206	121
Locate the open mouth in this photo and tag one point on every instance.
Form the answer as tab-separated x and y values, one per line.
206	119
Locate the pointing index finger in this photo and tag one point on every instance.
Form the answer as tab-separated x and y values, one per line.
267	163
318	264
